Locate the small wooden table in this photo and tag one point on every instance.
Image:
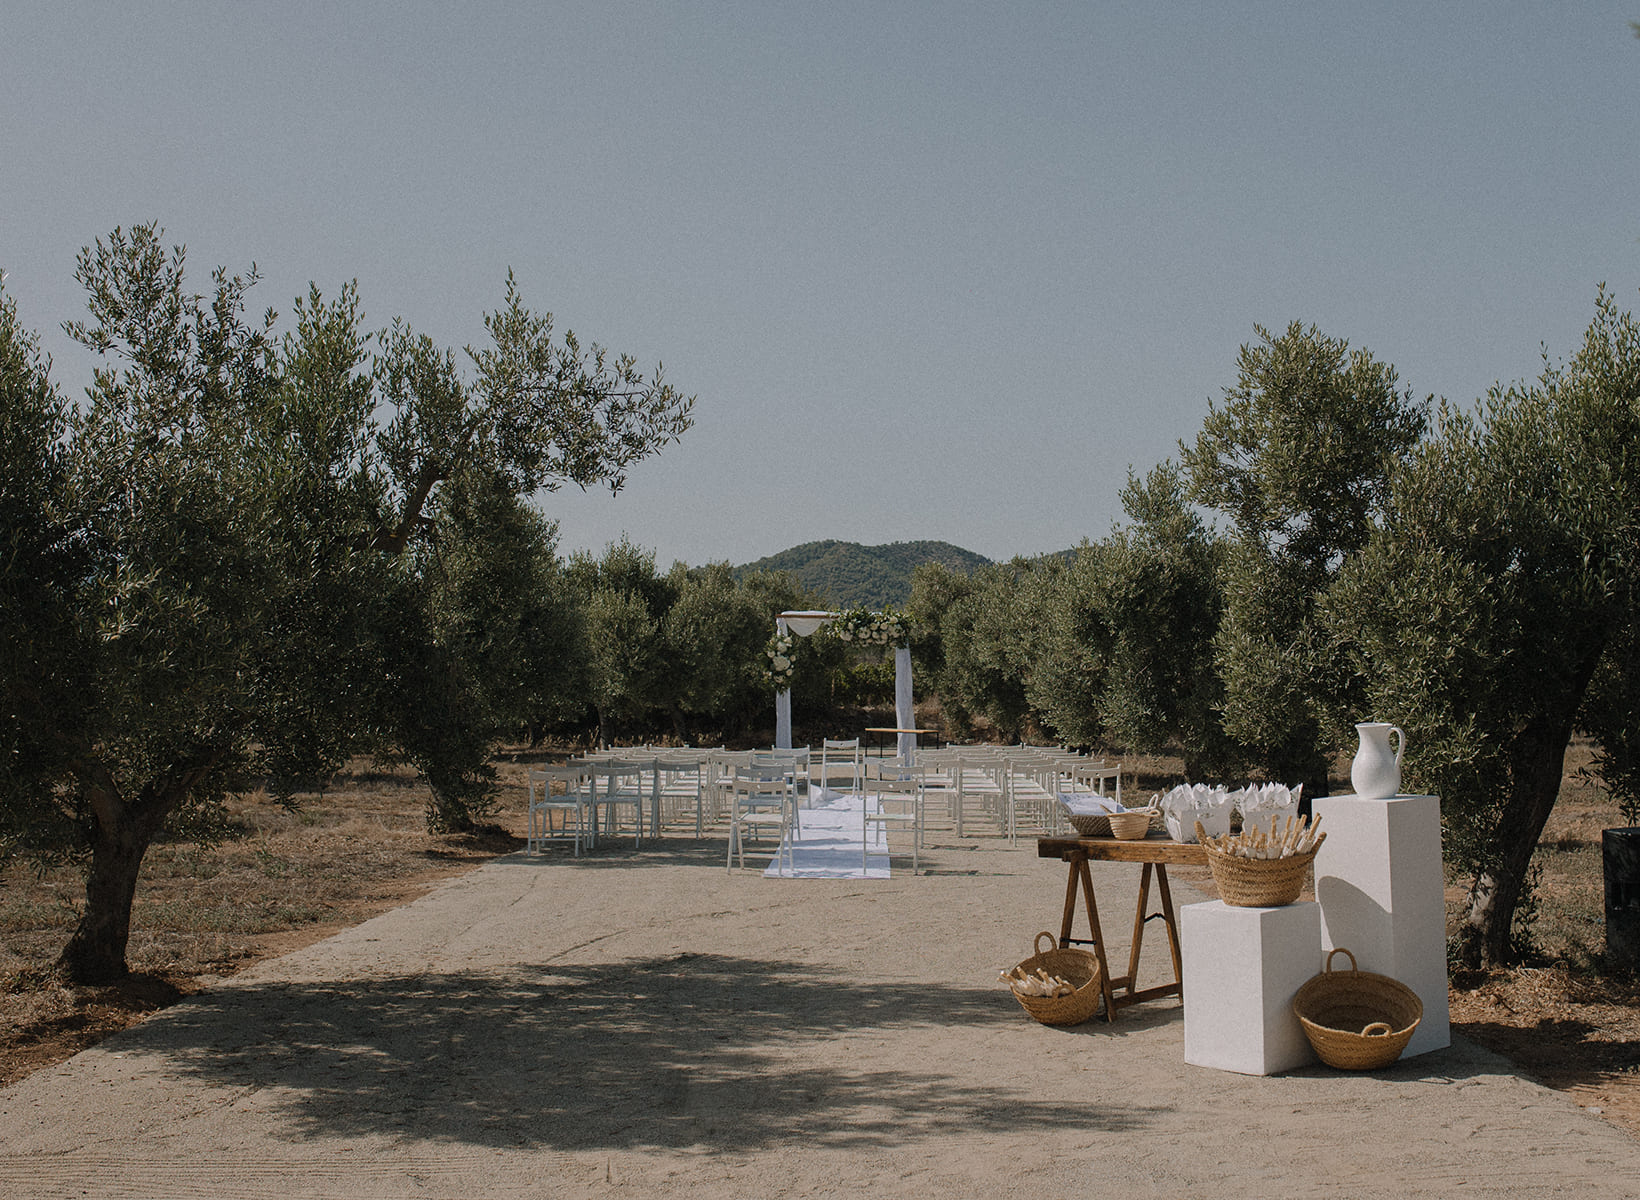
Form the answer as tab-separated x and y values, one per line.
1155	852
886	729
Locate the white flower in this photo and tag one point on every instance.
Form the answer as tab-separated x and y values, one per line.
782	664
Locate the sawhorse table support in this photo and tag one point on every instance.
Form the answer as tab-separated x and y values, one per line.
1154	853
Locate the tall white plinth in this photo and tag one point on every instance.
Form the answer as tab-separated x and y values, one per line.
1379	882
1242	967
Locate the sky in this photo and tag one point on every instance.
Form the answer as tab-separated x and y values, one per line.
939	271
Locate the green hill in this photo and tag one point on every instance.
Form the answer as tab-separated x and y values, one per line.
849	574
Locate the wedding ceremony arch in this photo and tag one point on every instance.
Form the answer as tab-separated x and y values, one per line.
806	623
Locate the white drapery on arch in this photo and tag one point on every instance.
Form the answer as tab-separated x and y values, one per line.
807	623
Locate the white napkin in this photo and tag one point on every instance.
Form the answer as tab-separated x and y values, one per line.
1089	804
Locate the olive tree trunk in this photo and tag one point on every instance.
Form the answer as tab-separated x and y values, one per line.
122	833
1538	762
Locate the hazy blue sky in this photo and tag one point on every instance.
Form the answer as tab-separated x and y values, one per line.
933	270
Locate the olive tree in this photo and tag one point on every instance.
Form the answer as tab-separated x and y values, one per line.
233	510
1130	642
1298	457
38	569
626	602
1493	610
714	636
494	636
990	629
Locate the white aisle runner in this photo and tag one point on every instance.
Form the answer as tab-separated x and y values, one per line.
830	844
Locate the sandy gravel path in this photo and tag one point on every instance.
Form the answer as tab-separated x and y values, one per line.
645	1024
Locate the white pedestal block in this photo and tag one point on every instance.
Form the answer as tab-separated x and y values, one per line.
1242	967
1379	882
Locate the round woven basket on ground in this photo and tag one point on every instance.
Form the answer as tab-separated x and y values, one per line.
1357	1020
1258	882
1077	968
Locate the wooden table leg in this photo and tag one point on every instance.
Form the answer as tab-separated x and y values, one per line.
1138	929
1080	877
1072	880
1098	941
1172	926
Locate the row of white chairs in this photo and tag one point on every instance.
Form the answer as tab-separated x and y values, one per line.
660	787
1004	787
1012	787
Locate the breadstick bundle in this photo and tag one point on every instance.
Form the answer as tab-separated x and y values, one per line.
1039	983
1298	836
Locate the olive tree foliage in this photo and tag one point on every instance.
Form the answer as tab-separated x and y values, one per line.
494	645
1129	656
1298	459
221	592
935	587
626	603
1493	610
989	627
684	649
714	635
38	571
539	412
1611	717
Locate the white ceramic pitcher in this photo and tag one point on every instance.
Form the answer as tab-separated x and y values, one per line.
1376	773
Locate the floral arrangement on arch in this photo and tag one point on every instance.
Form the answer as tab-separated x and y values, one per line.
886	628
782	652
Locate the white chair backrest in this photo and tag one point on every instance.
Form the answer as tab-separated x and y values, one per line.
888	783
765	782
571	775
791	760
623	775
795	752
558	771
888	768
841	757
764	766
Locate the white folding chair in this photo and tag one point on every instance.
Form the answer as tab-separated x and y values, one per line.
682	783
892	802
571	802
844	753
720	772
761	801
983	776
794	765
615	784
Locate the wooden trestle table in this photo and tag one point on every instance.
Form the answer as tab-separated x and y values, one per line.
1155	852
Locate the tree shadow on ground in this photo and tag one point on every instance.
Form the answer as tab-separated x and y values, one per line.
1562	1053
690	1051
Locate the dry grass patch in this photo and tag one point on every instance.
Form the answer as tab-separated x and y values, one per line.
282	880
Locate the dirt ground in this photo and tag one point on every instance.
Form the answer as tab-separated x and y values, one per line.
1563	1021
287	880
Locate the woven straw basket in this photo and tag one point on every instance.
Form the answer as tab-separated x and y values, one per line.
1355	1019
1131	826
1090	824
1258	882
1077	968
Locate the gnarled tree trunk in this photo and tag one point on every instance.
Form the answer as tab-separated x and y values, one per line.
123	830
1538	762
